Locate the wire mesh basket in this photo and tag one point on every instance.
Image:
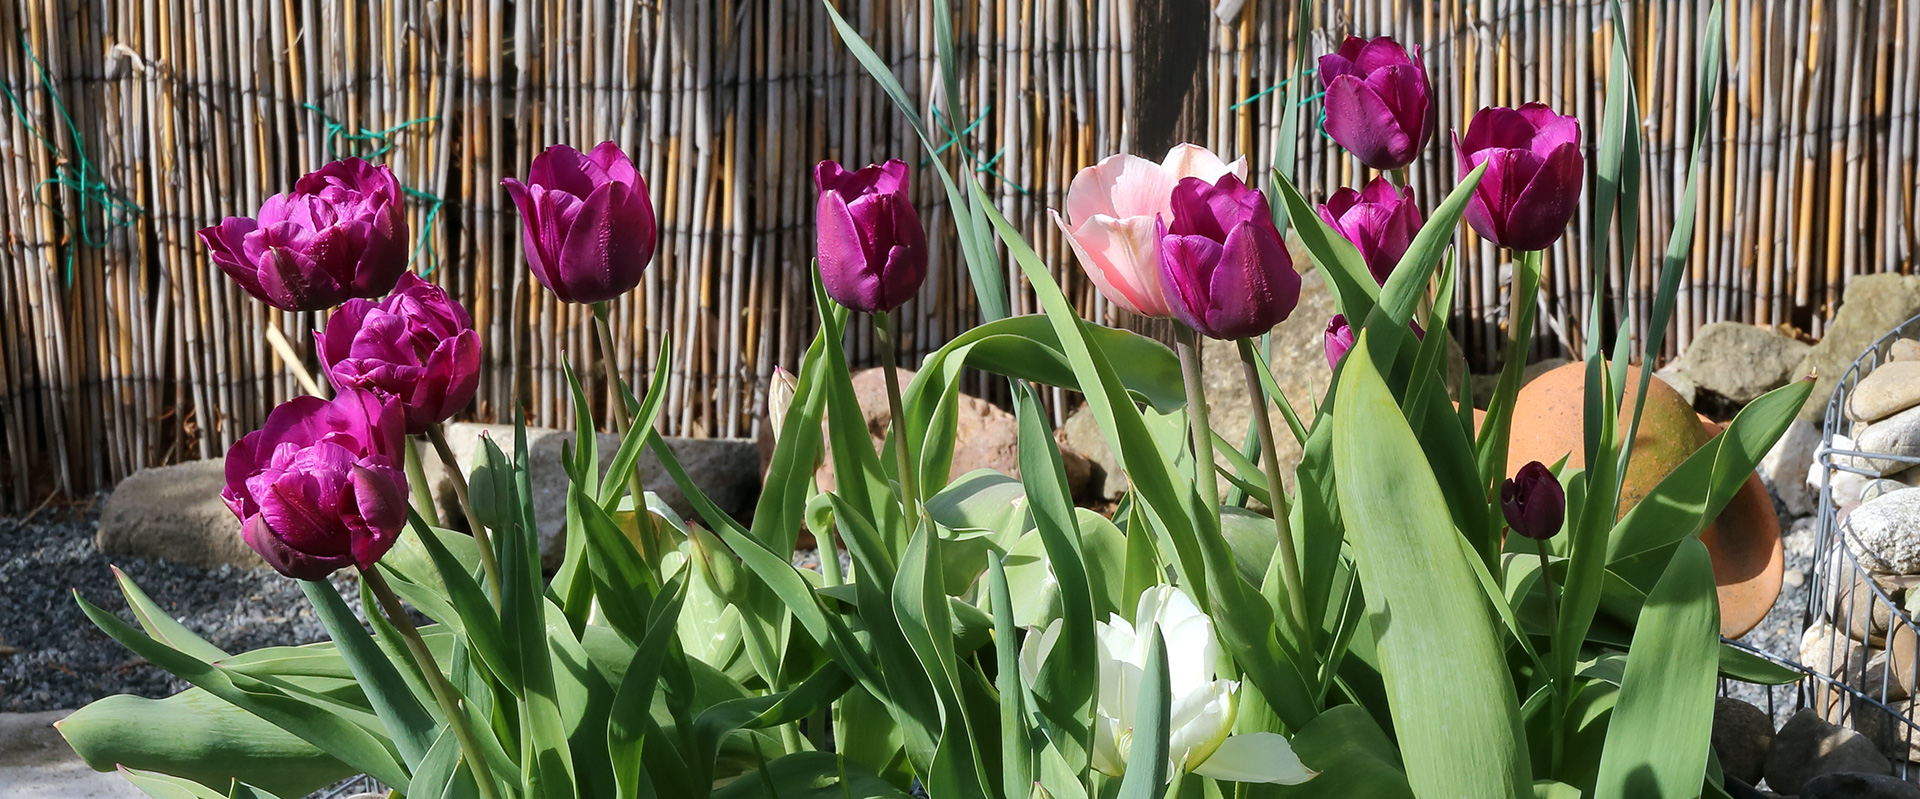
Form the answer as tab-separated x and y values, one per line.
1861	647
351	787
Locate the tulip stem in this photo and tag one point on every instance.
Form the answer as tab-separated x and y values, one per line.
417	481
438	435
1553	623
1276	493
909	482
1400	177
1204	481
621	421
443	692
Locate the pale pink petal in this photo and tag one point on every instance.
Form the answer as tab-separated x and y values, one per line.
1121	257
1120	185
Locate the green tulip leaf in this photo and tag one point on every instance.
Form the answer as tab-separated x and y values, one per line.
1657	742
207	740
408	724
166	786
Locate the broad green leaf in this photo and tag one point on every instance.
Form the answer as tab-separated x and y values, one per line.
1459	727
1066	682
1657	743
1354	291
547	765
208	740
408	724
350	740
629	720
810	775
920	604
1016	766
1353	755
166	786
160	625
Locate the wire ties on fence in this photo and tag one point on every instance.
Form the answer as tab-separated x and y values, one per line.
83	179
1322	124
954	139
383	141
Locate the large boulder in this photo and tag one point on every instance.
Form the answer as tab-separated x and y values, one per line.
1299	367
1785	467
36	763
1735	363
725	469
174	513
1873	305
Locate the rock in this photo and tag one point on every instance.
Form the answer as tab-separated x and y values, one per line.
1807	746
1681	383
987	436
174	513
1738	362
1823	648
1902	662
1887	728
1873	305
1784	469
725	469
1858	786
1799	541
35	763
1904	349
1861	613
1897	435
1081	433
1741	735
1885	534
1877	488
1889	389
1484	385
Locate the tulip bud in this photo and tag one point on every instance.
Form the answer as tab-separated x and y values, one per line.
1224	267
490	467
320	488
1379	102
780	391
1380	220
1531	188
1109	220
586	222
872	249
1533	502
341	233
1338	339
416	345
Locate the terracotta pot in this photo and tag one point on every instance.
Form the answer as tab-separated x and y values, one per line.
1744	541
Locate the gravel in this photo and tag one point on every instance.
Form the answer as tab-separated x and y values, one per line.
61	660
1779	633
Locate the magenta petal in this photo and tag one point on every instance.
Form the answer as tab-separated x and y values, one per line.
602	259
1186	270
285	559
614	163
1338	338
1254	287
1364	125
842	253
380	496
1548	202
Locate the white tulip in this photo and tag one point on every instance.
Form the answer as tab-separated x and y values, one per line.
1201	722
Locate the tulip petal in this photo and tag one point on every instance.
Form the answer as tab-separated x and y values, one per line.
1187	264
1121	185
1363	123
842	253
1262	757
1254	286
614	163
1187	160
1548	202
1121	257
600	260
380	502
285	559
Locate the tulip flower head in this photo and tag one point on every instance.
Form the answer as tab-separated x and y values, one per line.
586	222
1533	502
319	488
340	234
1531	188
1379	102
872	249
1109	220
416	345
1338	339
1380	220
1200	729
1225	270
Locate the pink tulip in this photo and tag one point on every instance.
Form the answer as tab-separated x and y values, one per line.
341	233
1380	221
319	488
1379	102
1109	220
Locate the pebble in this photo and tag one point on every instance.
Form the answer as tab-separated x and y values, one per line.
1885	533
1858	786
1904	349
1889	389
1807	747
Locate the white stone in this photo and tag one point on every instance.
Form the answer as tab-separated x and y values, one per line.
1786	464
1890	388
1897	435
1885	533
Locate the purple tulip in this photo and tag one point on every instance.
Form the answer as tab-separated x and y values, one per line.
340	234
1380	221
1534	171
1338	339
415	345
873	252
1379	103
586	222
1533	502
319	488
1226	272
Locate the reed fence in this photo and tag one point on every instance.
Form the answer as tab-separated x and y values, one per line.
132	123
